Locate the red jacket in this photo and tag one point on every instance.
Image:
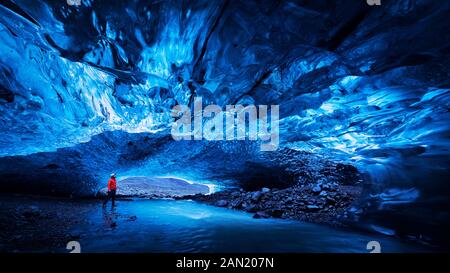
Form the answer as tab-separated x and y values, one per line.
112	184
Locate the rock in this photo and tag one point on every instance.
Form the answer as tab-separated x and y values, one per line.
235	194
312	207
32	212
322	181
251	208
277	213
260	214
256	196
236	203
222	203
319	199
316	189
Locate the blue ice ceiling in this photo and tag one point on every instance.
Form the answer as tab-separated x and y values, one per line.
364	84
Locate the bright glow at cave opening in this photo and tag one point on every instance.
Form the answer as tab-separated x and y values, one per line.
212	187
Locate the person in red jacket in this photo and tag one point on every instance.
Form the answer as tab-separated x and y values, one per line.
112	187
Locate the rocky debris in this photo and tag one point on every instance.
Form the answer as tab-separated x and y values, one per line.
28	223
31	214
323	192
322	204
308	168
222	203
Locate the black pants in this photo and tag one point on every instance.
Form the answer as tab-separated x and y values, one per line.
111	195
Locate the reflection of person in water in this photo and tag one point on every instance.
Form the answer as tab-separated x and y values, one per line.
108	218
112	187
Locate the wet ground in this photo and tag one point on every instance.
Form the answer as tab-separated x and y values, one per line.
40	224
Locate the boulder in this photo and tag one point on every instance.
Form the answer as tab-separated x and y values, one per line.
250	208
316	189
323	193
331	200
277	213
236	203
235	194
312	207
256	196
260	214
222	203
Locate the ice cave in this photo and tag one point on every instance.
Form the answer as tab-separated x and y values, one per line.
87	88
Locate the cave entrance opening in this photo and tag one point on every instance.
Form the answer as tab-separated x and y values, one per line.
159	187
